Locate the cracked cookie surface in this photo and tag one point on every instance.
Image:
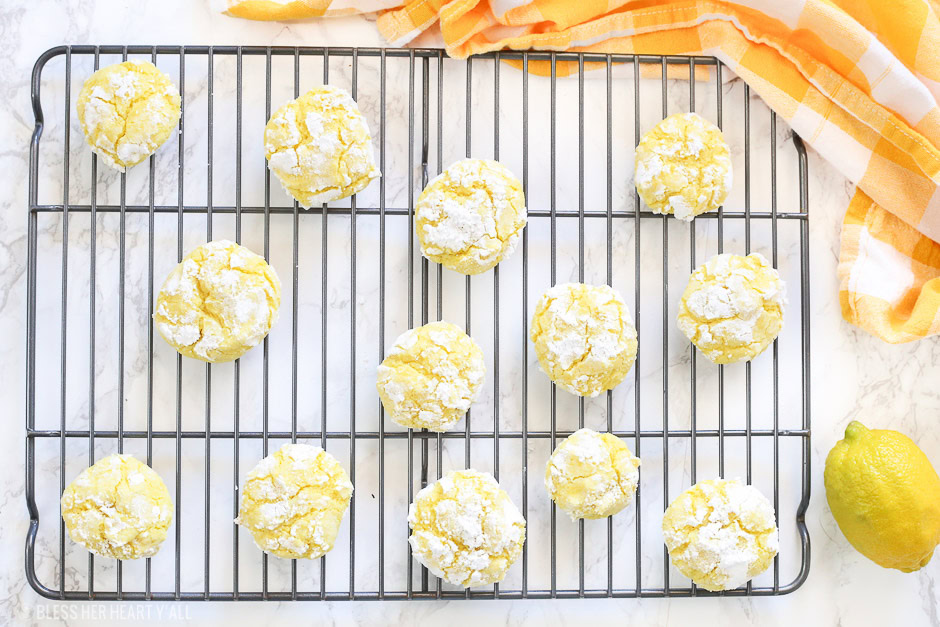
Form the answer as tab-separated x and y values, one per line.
683	166
592	475
584	337
218	303
732	308
319	146
470	217
465	529
431	376
127	110
721	533
118	508
294	500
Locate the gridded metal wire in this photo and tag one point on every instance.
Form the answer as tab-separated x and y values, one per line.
516	436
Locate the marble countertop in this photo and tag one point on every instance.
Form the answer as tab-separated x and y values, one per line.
855	375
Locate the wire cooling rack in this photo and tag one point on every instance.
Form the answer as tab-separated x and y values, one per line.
98	382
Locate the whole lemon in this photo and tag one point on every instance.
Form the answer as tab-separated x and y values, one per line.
885	496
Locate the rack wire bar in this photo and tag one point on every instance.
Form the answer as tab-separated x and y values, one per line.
523	417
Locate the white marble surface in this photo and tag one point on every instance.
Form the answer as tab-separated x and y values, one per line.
854	375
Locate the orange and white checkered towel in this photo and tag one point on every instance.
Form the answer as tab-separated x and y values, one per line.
859	80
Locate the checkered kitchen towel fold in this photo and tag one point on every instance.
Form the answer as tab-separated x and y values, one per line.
859	80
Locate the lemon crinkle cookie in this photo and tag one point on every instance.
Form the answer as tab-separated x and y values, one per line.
118	508
127	111
733	307
721	533
592	475
294	501
584	337
683	166
218	303
431	376
465	529
319	147
469	217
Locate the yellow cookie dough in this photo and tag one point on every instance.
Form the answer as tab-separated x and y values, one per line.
431	376
218	303
470	216
592	475
721	533
294	501
118	508
319	147
683	166
584	337
733	306
127	111
465	529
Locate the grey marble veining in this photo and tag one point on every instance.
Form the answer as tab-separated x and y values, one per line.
854	375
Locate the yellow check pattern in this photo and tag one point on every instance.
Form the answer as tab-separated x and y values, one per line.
859	80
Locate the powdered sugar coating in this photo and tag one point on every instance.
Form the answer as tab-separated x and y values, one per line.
683	166
127	110
118	508
469	217
721	533
319	146
218	303
294	501
733	307
584	337
431	376
465	529
592	475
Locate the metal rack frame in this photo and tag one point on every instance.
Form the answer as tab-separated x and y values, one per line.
419	62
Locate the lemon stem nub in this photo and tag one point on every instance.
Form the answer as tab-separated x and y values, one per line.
854	430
